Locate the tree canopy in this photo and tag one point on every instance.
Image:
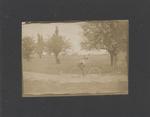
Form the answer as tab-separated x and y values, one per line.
27	47
40	45
109	35
57	44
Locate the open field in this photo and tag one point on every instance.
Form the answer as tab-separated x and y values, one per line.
43	77
37	84
69	64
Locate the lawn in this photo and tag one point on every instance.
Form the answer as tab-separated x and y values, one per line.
43	77
69	64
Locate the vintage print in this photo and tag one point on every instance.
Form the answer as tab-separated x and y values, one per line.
75	58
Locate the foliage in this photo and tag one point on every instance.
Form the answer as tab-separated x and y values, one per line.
57	44
40	45
27	47
109	35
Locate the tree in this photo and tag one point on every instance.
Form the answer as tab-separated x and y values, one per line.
57	44
109	35
40	45
27	47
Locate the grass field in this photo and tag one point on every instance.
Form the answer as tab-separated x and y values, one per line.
69	64
43	77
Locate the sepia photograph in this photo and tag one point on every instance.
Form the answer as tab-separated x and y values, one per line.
75	58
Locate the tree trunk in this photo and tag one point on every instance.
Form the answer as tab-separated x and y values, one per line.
40	55
57	59
112	60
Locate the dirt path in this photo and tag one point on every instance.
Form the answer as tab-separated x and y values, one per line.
37	84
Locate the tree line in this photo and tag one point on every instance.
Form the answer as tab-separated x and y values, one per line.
55	44
109	35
